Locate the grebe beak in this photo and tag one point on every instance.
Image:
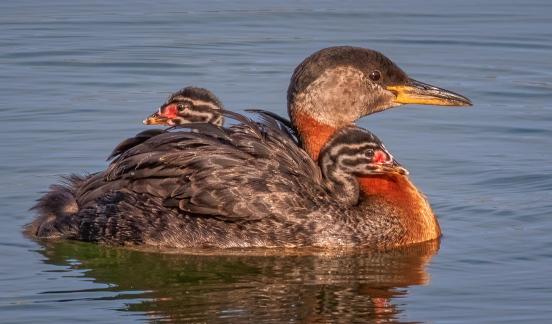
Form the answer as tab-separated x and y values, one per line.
397	167
416	92
156	119
394	167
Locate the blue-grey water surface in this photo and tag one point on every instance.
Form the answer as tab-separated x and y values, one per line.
76	77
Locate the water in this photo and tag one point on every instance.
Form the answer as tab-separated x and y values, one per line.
77	77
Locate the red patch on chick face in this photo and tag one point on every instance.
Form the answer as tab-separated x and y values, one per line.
169	111
380	157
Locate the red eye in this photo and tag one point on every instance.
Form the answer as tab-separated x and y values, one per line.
375	75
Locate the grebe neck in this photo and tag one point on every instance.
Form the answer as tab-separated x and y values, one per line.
312	133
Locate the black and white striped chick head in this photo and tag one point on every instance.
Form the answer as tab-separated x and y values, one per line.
352	153
189	105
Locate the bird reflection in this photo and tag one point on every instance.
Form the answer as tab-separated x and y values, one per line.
313	286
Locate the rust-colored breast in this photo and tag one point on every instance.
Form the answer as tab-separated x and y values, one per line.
416	214
314	134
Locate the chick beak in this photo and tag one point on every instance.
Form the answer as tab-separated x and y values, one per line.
385	163
393	167
416	92
156	119
397	167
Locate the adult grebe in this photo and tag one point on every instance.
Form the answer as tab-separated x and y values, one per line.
248	185
328	91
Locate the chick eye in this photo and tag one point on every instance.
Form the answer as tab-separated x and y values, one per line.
375	75
181	107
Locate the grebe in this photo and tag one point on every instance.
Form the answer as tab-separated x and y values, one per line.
248	185
189	105
328	92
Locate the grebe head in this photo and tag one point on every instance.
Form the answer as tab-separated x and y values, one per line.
358	152
336	86
353	153
189	105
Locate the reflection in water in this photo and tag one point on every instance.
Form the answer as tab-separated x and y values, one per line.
311	286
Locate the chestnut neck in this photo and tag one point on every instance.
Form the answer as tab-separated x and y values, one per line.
415	213
312	133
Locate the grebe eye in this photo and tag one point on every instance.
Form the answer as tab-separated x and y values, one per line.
181	107
375	75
